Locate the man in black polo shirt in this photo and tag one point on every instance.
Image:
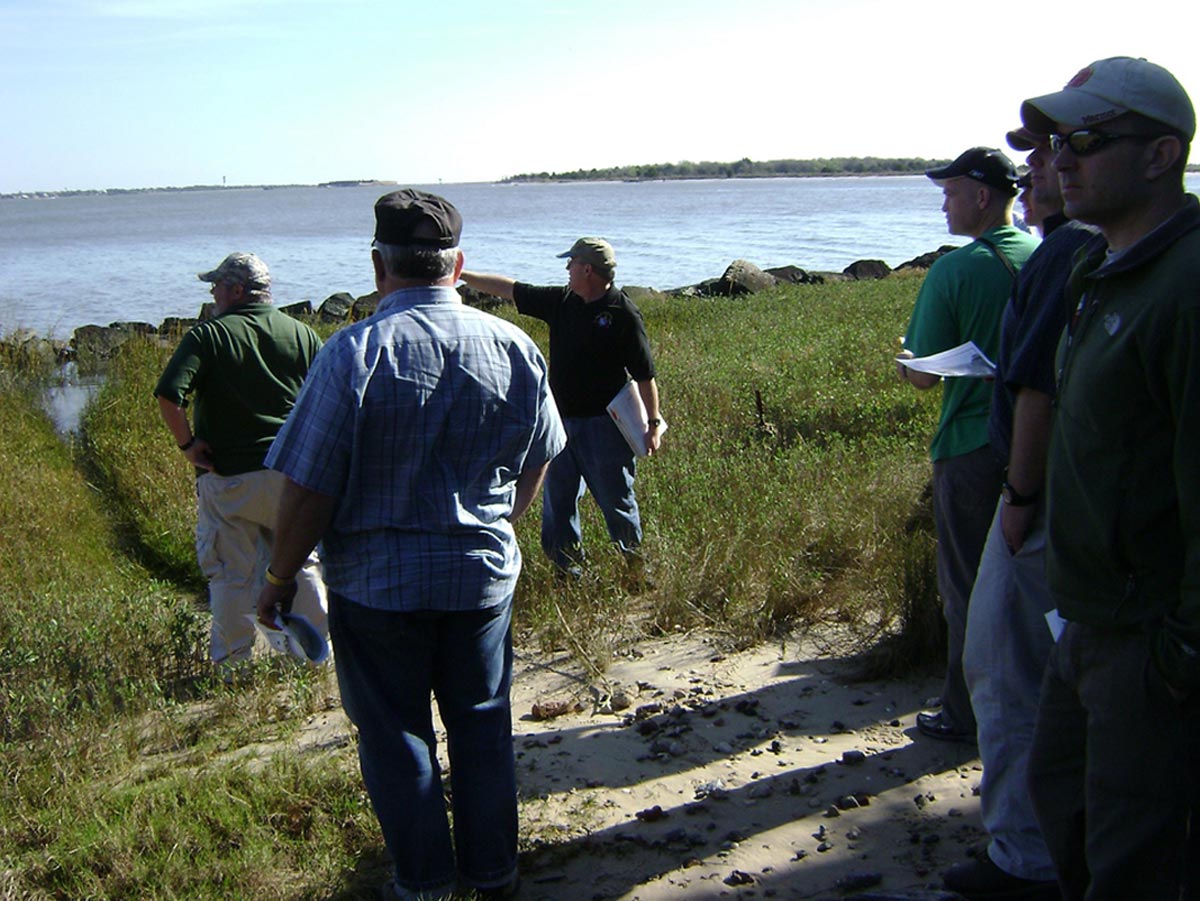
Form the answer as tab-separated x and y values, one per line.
597	343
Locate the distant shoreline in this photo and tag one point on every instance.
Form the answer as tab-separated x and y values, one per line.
510	180
540	178
111	192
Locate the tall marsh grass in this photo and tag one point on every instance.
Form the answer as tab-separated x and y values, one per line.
787	494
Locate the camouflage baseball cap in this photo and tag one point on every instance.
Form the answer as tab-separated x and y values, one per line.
595	251
240	269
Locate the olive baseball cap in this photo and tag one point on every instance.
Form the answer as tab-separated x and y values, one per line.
984	164
596	251
1109	88
417	217
240	269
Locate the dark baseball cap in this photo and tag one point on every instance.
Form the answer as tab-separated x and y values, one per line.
984	164
1024	139
416	217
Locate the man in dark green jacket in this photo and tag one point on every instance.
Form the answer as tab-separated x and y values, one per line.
1113	766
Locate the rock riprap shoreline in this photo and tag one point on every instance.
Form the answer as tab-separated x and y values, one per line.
96	343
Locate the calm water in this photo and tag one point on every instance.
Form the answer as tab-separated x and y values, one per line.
71	261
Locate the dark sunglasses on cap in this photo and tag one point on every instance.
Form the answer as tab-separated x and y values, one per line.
1085	141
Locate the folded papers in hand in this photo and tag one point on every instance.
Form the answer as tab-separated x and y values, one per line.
965	360
295	634
629	413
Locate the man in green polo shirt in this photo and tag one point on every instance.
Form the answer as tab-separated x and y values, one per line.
241	372
962	299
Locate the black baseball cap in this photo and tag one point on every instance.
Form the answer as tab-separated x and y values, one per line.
417	217
984	164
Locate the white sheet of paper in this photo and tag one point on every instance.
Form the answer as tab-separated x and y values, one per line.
629	413
1056	623
964	360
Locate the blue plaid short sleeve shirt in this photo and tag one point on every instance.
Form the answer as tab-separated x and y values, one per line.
419	420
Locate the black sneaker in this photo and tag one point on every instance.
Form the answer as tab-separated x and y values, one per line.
500	892
981	880
935	725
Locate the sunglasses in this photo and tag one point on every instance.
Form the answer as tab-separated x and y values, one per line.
1085	141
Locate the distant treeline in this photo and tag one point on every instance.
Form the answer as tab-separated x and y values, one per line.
744	168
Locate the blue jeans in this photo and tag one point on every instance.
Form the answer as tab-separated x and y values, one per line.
597	456
1004	657
388	663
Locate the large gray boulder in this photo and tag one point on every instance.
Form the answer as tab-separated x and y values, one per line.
365	306
300	310
100	342
29	349
925	260
336	308
637	292
175	326
743	277
480	299
868	269
794	275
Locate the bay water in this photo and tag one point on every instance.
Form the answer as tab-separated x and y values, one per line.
67	261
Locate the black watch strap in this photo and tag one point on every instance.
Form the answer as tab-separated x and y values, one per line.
1014	498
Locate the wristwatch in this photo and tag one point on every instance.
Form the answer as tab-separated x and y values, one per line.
1014	498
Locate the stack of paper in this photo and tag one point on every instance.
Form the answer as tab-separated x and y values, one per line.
964	360
629	413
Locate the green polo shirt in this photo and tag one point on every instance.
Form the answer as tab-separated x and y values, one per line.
241	373
963	299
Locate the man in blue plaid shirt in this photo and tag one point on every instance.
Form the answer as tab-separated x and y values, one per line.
421	434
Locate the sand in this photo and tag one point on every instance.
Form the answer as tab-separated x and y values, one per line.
686	772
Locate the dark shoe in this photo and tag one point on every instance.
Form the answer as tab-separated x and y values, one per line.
935	725
572	572
390	891
636	574
981	880
500	893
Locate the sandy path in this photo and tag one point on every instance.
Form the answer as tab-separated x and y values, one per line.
765	773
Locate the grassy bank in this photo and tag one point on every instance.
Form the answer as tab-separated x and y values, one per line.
785	496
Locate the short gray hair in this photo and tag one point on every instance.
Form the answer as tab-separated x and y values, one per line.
417	261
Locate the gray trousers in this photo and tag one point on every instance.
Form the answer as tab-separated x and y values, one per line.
965	491
1112	769
1004	657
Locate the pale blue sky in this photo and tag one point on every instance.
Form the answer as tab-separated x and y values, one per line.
139	93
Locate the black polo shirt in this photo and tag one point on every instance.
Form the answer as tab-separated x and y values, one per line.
594	347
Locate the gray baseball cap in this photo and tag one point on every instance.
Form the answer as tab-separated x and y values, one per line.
595	251
1109	88
240	269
